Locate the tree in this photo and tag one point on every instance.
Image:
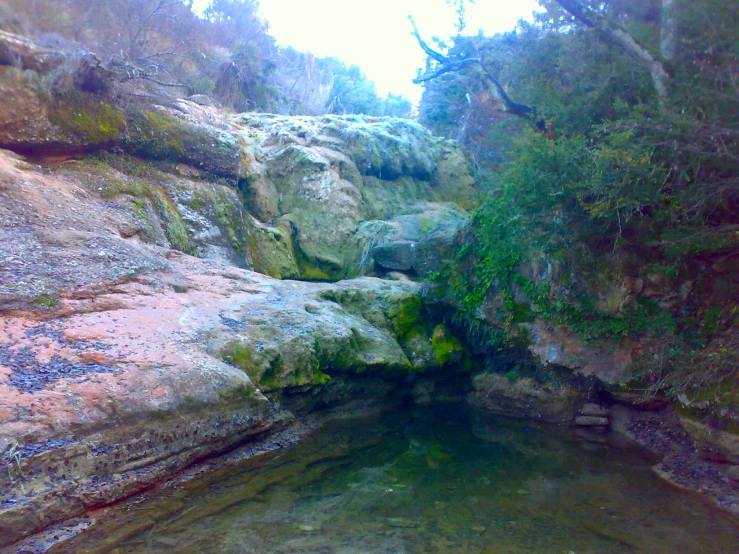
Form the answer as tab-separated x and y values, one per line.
442	64
226	52
638	167
616	34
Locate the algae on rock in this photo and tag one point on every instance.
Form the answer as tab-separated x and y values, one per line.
161	136
197	217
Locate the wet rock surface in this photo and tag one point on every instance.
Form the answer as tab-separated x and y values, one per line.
122	362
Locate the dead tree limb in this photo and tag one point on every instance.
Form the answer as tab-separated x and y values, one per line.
615	34
445	64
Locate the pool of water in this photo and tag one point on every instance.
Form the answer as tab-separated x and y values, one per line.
429	480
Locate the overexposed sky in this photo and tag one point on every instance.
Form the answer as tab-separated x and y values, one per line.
375	34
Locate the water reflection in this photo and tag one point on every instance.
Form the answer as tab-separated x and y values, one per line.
424	481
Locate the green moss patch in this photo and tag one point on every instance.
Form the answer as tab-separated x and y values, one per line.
45	301
405	315
314	274
174	226
163	137
242	357
87	120
448	349
272	252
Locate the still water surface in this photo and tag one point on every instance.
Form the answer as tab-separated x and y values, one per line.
433	480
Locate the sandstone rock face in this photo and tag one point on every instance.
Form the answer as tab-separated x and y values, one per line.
320	192
607	360
19	50
39	123
332	179
123	361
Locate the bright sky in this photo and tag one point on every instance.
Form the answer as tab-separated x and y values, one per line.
375	34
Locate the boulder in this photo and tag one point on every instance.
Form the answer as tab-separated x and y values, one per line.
162	134
439	245
395	255
22	52
595	410
523	397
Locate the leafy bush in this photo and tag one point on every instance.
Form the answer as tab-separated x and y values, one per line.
609	174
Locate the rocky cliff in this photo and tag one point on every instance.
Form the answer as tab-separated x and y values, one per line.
141	324
176	280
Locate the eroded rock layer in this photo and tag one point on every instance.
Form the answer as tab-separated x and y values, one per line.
122	361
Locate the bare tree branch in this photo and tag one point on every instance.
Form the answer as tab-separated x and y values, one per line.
449	65
426	48
621	38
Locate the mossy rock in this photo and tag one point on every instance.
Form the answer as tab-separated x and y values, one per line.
405	314
85	120
271	371
319	271
272	252
161	136
331	175
148	198
314	274
448	350
36	122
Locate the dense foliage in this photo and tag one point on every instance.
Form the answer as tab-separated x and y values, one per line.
607	177
226	53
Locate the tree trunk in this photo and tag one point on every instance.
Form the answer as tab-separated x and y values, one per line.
621	38
668	30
